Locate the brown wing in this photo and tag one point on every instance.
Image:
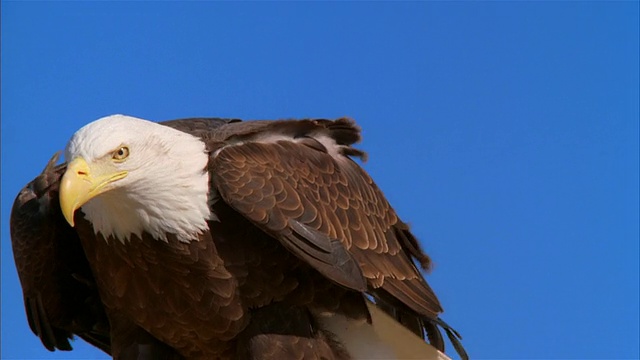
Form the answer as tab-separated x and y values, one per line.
294	180
60	295
60	292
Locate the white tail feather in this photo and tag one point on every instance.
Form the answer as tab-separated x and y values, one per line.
384	338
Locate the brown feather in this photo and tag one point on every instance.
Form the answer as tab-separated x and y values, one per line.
281	331
49	260
368	229
324	199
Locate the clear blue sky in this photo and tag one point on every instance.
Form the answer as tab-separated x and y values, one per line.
506	133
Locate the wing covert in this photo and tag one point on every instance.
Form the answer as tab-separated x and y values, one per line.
321	205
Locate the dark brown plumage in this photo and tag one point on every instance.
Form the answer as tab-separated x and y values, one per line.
60	295
299	229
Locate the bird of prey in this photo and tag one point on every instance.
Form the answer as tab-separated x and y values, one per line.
209	238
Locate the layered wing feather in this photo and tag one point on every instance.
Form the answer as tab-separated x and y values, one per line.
60	295
296	182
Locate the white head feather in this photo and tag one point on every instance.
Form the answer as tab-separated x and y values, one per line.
167	185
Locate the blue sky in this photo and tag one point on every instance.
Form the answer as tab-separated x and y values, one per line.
506	133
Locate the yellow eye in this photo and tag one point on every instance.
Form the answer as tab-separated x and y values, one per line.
121	154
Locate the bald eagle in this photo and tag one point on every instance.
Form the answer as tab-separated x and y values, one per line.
218	239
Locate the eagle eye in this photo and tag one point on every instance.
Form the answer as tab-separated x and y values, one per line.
121	154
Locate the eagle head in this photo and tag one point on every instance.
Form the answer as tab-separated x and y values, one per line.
131	176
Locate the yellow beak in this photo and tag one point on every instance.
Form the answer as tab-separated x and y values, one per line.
79	185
